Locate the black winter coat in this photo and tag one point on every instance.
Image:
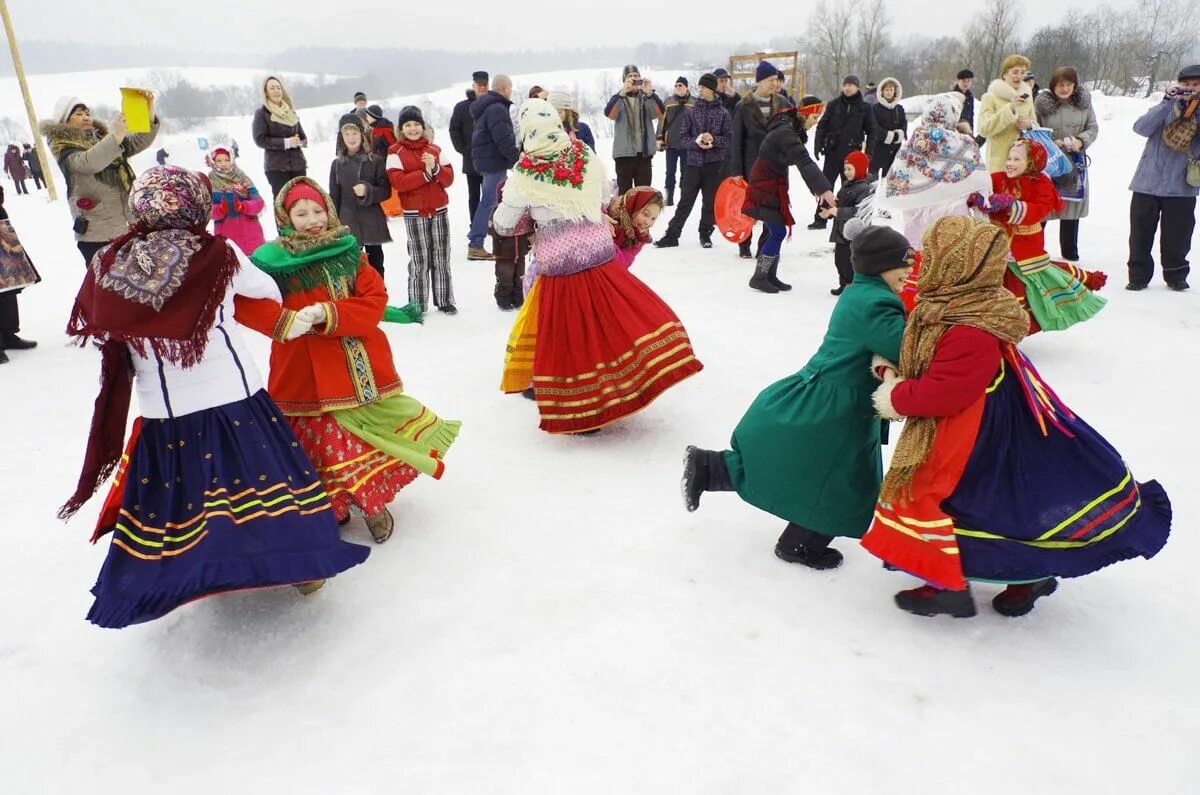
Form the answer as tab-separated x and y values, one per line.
886	120
270	136
363	215
462	129
749	131
493	142
968	111
849	197
846	125
781	149
32	163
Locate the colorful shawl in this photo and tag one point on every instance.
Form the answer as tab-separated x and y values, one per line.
556	171
937	164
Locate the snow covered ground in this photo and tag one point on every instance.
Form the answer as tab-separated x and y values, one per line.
548	619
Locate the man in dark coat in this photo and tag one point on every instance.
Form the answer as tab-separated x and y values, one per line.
493	152
750	119
462	128
845	127
34	165
668	133
726	93
963	86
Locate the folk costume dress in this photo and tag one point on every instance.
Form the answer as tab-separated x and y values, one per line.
236	205
337	384
1057	295
596	343
213	492
994	478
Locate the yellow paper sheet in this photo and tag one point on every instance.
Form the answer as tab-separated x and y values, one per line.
135	104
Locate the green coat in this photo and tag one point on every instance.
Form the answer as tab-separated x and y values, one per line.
808	448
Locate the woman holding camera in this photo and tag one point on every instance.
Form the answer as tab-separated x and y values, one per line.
1006	111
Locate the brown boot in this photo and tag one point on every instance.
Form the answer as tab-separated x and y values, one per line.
309	588
381	526
478	254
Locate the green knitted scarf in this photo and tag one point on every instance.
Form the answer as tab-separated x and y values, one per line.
298	263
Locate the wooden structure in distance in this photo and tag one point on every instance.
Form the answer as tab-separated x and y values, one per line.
742	67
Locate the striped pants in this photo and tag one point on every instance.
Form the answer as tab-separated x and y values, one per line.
429	251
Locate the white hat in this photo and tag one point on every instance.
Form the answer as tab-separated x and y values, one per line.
561	100
64	107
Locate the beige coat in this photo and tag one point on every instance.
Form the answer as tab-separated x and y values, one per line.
104	197
996	121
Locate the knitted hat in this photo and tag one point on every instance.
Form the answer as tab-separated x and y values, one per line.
779	73
965	74
720	72
1189	72
1014	60
350	120
871	85
630	69
360	95
708	81
65	107
303	190
480	78
1030	77
810	105
851	80
561	100
220	150
765	70
410	113
878	249
860	161
681	81
374	111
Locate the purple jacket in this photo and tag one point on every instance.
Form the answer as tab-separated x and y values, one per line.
705	117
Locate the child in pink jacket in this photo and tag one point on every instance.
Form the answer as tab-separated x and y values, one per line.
236	203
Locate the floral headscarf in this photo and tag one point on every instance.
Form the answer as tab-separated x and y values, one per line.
937	164
556	171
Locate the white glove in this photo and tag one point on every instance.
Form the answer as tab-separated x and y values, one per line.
314	315
299	327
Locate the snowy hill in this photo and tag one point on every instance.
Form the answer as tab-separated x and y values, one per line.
548	619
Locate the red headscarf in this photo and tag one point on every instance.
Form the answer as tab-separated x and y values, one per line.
623	208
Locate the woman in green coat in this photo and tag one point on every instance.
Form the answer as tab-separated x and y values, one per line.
808	448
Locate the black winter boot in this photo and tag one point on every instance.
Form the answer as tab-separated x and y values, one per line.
744	250
761	280
782	287
671	197
930	601
1017	600
703	470
801	545
667	241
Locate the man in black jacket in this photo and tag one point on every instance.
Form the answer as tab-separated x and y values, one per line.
963	86
845	127
726	93
668	134
494	151
750	119
462	127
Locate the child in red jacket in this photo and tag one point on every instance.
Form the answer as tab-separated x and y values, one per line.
1057	295
416	171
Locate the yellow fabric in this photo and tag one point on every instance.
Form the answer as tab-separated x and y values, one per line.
997	120
522	344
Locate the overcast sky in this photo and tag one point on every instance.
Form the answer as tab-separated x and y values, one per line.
260	27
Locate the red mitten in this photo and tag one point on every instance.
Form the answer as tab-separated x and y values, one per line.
238	206
975	201
1095	280
999	203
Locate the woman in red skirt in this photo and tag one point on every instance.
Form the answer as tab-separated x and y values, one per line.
596	342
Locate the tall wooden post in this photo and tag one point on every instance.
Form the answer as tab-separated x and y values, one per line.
47	173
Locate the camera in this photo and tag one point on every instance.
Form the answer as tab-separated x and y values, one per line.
637	81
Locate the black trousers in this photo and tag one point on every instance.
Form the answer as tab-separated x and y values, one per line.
1177	215
10	315
21	189
37	181
474	191
841	259
1068	239
882	159
88	250
744	246
833	172
278	179
633	172
375	257
510	270
697	180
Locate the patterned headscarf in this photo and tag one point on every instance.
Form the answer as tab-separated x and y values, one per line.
937	163
961	284
1036	155
556	171
622	209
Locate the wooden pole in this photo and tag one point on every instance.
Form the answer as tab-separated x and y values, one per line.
47	173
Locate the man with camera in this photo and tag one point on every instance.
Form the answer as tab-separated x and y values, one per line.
1165	185
635	109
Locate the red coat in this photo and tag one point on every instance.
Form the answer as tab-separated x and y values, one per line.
419	193
1035	199
964	363
347	362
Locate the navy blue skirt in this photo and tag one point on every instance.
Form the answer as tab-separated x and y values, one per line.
1062	503
216	501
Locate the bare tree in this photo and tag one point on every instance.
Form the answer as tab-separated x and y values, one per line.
873	21
1169	35
831	43
992	36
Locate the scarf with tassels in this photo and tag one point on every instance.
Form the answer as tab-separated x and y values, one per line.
961	284
155	290
556	171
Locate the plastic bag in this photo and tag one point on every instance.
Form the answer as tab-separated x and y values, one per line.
1072	186
1057	163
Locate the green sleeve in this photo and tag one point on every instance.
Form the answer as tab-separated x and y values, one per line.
883	328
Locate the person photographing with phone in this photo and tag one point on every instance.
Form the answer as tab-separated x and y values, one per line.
1006	111
635	109
94	159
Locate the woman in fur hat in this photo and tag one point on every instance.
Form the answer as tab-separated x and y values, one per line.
358	185
994	478
596	343
335	378
213	493
1006	111
94	159
236	202
278	132
808	448
1066	109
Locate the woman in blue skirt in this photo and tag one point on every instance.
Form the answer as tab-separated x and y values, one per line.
213	493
